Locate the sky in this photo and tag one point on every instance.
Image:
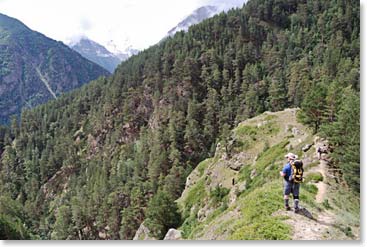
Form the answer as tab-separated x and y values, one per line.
136	23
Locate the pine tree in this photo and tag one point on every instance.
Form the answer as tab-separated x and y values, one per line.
211	117
344	136
299	81
314	108
62	225
277	92
162	214
193	137
174	182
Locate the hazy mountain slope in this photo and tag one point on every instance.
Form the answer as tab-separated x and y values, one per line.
96	53
35	68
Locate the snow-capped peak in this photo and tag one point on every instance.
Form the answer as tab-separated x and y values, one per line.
197	16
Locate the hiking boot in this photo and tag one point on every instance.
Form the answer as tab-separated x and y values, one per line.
297	210
287	208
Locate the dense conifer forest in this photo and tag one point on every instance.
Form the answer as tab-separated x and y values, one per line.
97	162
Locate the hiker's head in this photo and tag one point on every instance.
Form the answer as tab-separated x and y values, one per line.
291	156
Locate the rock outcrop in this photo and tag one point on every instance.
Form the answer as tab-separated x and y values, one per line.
173	234
143	233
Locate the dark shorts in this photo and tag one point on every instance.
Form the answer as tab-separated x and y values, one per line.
290	187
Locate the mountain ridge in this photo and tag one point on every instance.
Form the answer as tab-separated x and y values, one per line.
195	17
229	218
96	53
29	59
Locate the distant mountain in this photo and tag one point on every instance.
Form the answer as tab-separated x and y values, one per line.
197	16
205	12
35	68
122	55
97	53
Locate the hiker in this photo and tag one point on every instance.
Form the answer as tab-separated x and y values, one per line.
321	150
289	185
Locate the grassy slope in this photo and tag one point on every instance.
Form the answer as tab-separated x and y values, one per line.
250	208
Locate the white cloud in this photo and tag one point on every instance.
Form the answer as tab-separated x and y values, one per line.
138	22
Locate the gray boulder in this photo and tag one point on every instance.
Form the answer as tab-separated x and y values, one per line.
143	233
236	165
173	234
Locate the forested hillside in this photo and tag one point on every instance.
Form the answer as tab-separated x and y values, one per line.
96	163
35	68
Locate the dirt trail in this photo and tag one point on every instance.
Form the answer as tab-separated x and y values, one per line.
322	227
304	228
321	186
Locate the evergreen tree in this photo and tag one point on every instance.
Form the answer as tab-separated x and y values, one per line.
314	107
211	118
344	137
62	225
162	214
277	92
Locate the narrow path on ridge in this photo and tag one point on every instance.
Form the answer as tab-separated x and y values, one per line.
322	226
321	186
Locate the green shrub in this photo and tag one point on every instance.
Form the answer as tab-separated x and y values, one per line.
314	177
273	153
194	197
188	226
348	231
311	188
203	165
270	117
245	130
308	193
270	128
267	229
218	194
313	164
326	204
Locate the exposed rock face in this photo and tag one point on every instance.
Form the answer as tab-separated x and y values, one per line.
191	179
143	233
296	131
173	234
242	187
204	212
240	160
262	123
236	165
